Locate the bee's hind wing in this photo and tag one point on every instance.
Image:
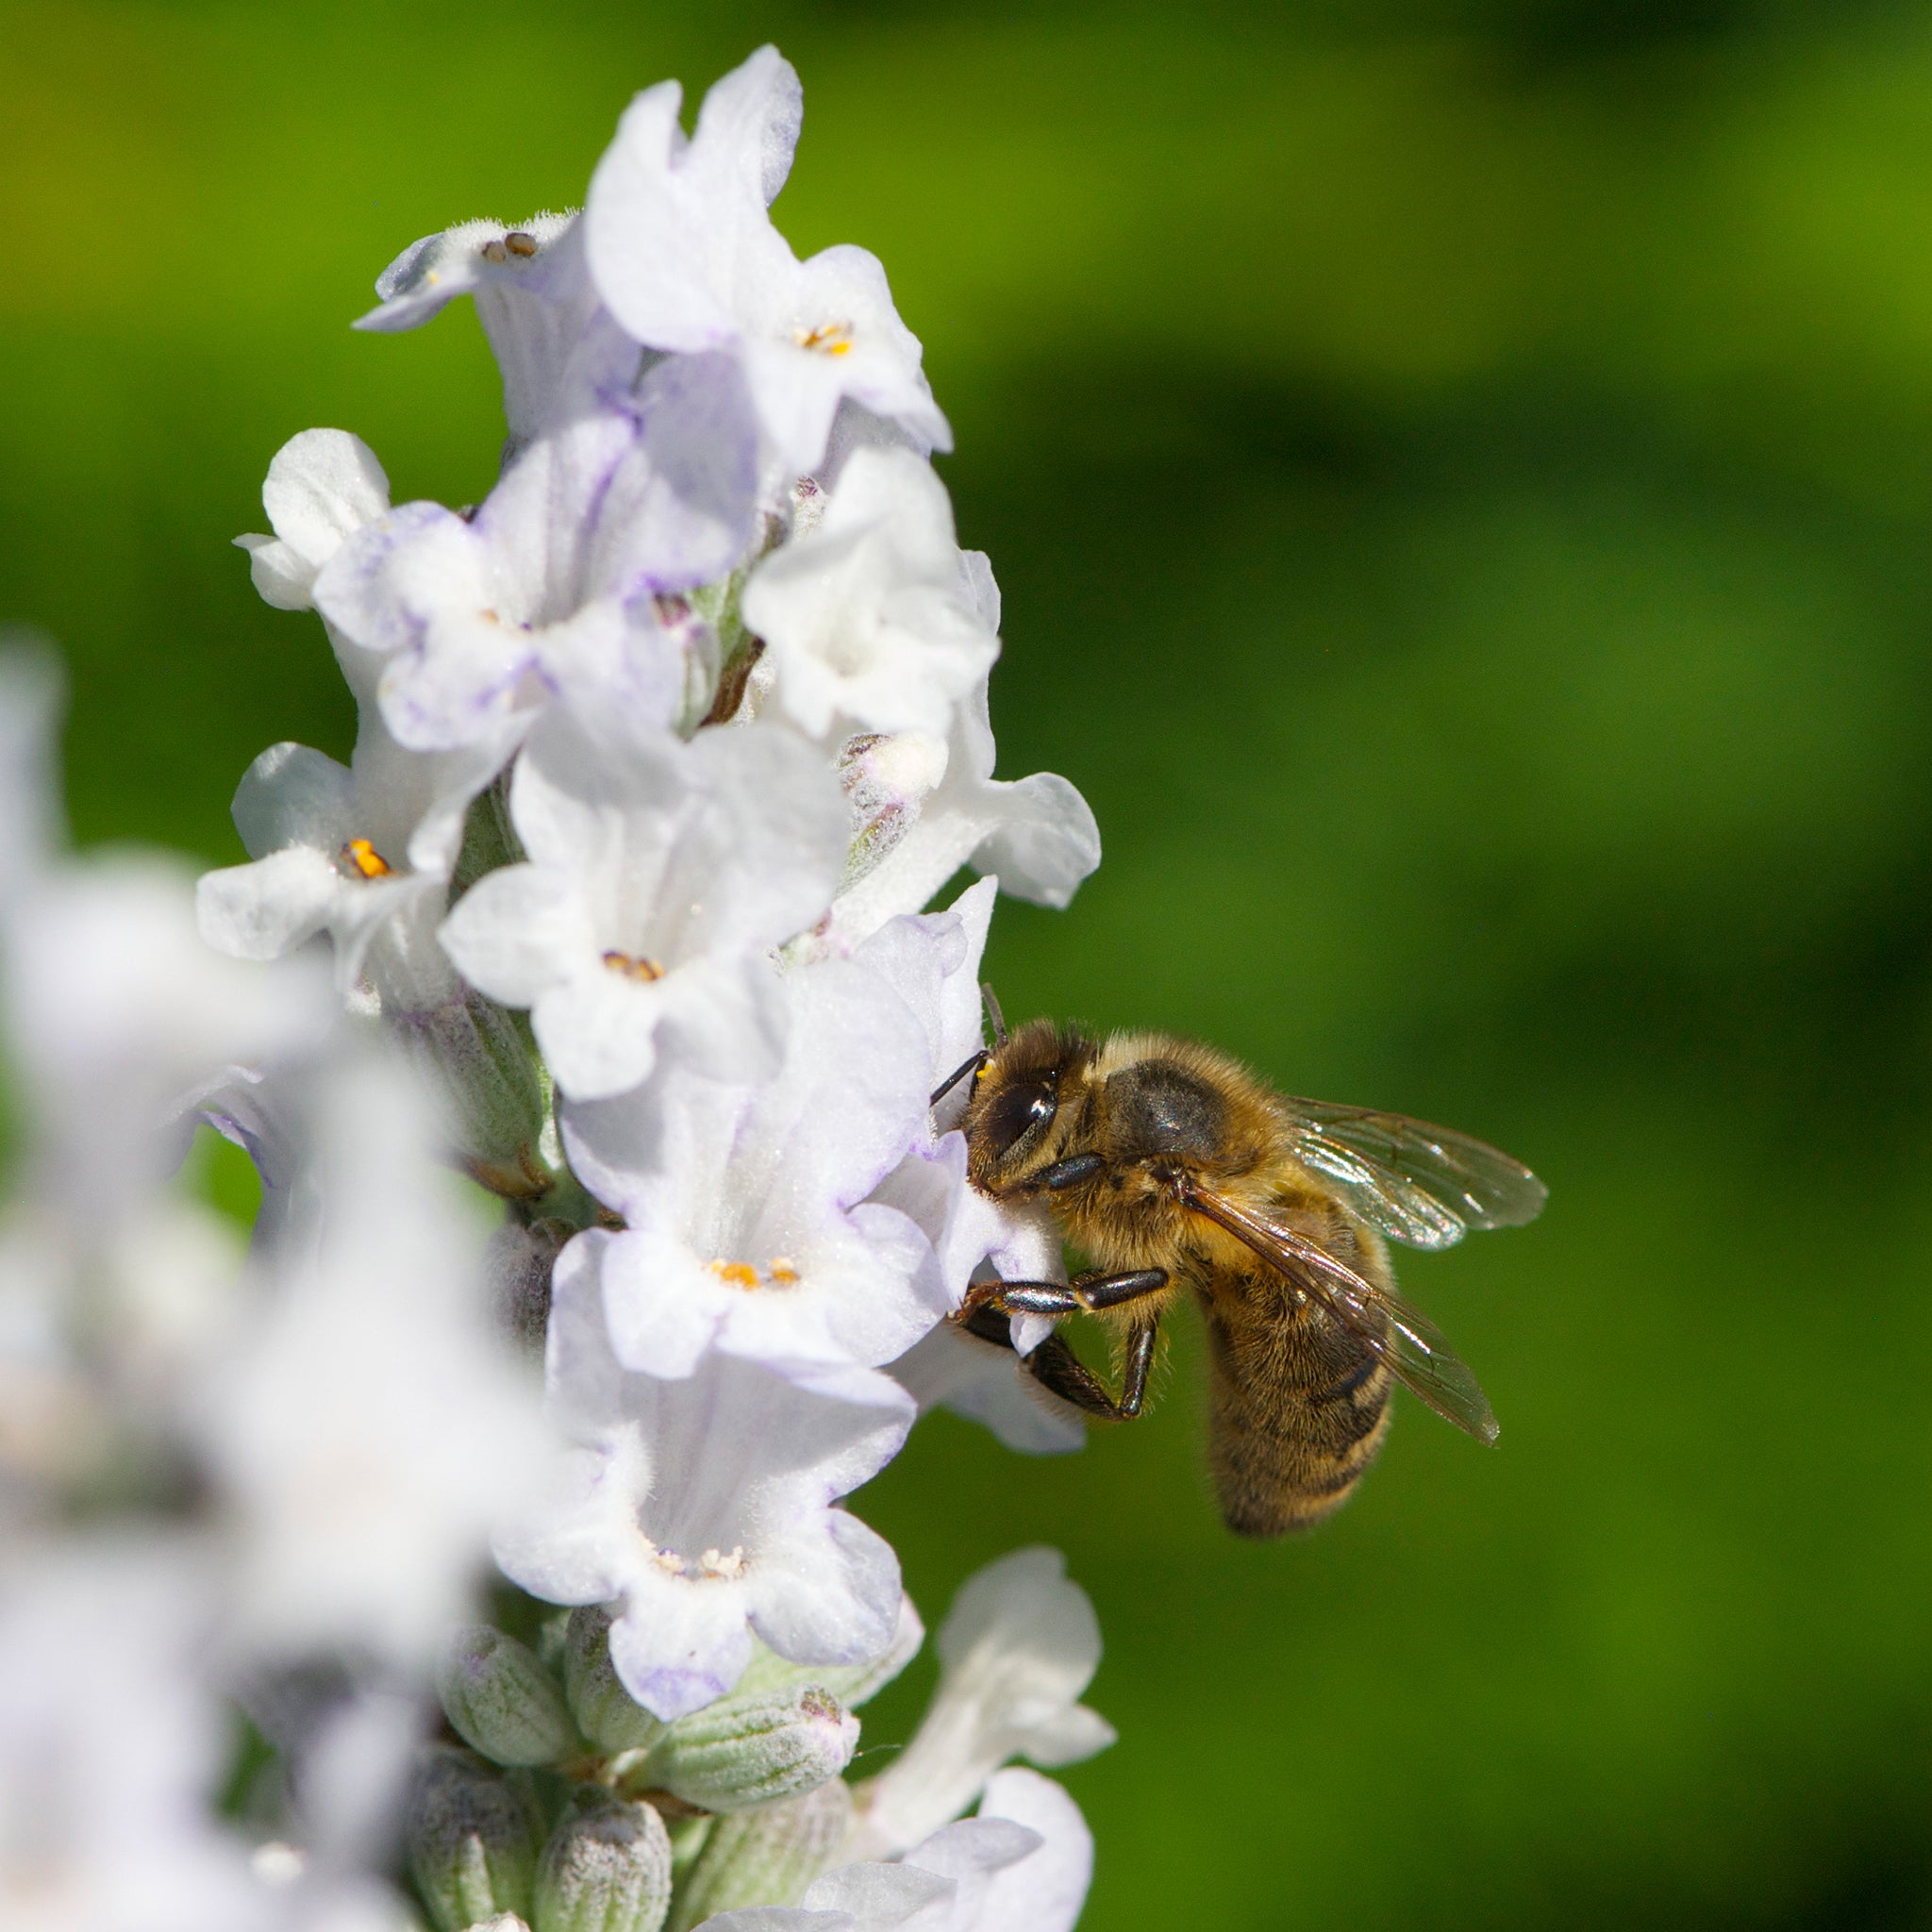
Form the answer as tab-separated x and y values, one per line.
1411	1345
1411	1181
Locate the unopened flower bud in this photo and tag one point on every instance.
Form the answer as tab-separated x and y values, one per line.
480	1065
605	1710
742	1752
607	1868
501	1700
518	1263
767	1856
886	777
472	1842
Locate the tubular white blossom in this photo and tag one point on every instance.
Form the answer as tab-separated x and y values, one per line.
323	486
660	874
1018	1647
749	1226
870	617
704	1507
682	250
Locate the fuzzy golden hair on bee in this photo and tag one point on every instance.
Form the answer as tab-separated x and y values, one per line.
1185	1177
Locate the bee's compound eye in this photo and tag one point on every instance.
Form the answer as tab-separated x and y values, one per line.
1016	1111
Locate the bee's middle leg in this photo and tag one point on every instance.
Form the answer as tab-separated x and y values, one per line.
1087	1295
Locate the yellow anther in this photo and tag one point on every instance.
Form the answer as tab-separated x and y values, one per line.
363	858
633	966
519	242
779	1272
495	251
828	339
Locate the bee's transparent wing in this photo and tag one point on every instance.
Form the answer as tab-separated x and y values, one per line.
1414	1182
1412	1346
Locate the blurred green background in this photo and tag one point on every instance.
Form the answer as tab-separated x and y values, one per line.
1460	476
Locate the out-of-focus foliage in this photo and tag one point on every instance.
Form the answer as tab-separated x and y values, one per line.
1460	472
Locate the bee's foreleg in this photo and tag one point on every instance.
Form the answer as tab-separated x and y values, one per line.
1069	1172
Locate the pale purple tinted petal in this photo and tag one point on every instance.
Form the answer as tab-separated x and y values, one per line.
832	1597
681	1643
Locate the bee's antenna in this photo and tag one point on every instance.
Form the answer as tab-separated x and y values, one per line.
993	1013
958	1073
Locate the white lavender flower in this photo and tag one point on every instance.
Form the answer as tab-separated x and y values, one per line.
1018	1647
748	1226
870	618
563	579
363	852
659	876
1022	1865
683	252
704	1507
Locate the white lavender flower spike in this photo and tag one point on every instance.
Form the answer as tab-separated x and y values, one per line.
667	742
700	1524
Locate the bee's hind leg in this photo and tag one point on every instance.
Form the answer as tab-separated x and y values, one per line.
1053	1364
1059	1370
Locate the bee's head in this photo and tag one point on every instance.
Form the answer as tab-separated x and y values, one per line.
1012	1120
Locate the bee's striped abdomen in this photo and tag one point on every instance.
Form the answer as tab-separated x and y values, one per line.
1297	1405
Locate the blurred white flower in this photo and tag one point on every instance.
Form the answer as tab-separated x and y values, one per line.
869	619
110	1742
367	1432
1018	1647
684	253
659	876
112	1287
323	486
702	1510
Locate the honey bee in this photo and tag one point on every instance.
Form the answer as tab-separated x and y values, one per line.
1174	1169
